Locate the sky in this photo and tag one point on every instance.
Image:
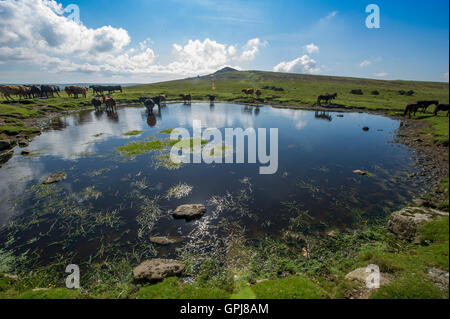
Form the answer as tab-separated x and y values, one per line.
146	41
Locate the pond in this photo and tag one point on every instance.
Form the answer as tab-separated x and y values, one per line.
111	204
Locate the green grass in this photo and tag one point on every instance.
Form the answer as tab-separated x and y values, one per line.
133	133
293	287
170	288
137	148
409	287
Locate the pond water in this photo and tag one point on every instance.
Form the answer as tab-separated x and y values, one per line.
114	203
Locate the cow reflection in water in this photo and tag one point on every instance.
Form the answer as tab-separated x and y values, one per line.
113	116
323	116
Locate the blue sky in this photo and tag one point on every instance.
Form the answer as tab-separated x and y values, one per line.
412	43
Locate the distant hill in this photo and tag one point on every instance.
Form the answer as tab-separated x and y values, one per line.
300	89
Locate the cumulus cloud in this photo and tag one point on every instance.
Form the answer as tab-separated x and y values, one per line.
304	64
311	48
251	49
36	32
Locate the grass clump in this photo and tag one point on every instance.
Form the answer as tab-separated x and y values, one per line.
409	287
137	148
294	287
170	288
133	133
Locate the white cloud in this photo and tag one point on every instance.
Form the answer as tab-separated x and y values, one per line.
365	63
330	16
446	76
304	64
251	49
311	48
381	74
35	32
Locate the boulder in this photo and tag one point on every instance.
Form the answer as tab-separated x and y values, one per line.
189	211
54	178
165	240
5	145
5	156
360	172
406	222
366	129
157	269
440	277
360	274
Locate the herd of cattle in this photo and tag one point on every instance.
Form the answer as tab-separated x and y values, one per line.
41	91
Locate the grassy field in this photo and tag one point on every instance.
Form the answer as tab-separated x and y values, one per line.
278	89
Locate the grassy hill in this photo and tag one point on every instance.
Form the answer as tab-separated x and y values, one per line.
299	89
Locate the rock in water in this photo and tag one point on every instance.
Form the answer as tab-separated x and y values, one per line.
405	223
54	178
157	269
360	172
5	145
165	240
5	156
189	211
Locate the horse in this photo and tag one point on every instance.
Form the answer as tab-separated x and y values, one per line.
327	97
8	90
96	103
441	107
258	93
412	108
425	104
323	116
110	103
187	98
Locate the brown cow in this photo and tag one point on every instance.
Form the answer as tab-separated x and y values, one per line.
187	98
75	90
248	91
110	103
8	90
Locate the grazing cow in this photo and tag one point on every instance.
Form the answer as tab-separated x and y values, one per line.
327	97
110	103
8	90
211	98
75	90
412	108
149	103
425	104
187	98
441	107
96	103
248	91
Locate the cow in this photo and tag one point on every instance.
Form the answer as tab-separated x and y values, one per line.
110	103
441	107
8	90
96	103
187	98
75	90
149	103
211	97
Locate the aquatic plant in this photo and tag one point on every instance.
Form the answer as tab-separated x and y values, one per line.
133	133
179	191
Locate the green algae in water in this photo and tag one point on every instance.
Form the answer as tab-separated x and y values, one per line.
164	161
